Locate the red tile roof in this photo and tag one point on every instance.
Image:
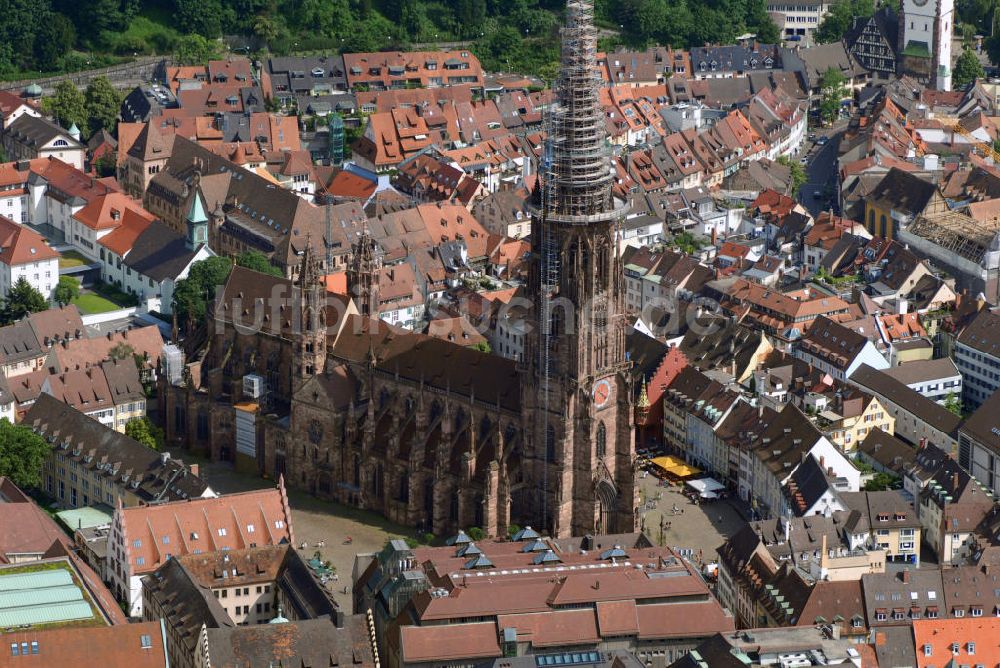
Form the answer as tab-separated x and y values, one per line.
108	647
673	620
554	629
20	244
233	521
940	634
106	211
451	641
347	184
120	241
617	617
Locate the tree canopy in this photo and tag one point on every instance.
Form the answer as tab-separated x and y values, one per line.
67	290
103	102
841	17
967	69
22	454
515	34
257	261
143	430
22	299
68	106
192	294
834	89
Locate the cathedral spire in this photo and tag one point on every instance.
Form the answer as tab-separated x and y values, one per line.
363	274
579	176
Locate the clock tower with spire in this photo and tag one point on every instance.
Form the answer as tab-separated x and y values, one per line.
580	448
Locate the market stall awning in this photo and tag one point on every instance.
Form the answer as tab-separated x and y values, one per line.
707	488
675	466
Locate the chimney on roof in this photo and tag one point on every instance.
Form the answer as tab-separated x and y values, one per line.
954	481
905	576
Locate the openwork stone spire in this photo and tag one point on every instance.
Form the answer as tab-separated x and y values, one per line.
579	177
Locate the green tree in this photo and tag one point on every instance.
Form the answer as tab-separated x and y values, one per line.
68	105
267	28
833	89
54	40
67	290
257	261
476	534
143	430
192	294
20	22
497	50
22	299
796	170
881	482
953	404
841	17
22	454
196	50
967	69
203	17
103	104
483	347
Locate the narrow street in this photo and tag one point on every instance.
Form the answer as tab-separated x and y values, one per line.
818	193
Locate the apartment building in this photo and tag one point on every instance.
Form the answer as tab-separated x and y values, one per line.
92	463
979	443
950	507
977	356
891	523
917	418
144	538
25	254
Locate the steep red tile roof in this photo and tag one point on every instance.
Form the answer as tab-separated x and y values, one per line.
120	241
233	521
20	244
106	211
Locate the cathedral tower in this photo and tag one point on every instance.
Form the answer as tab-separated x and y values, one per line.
363	275
310	337
579	453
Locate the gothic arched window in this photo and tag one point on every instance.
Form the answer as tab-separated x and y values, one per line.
602	440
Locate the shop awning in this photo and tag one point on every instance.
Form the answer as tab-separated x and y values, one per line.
675	466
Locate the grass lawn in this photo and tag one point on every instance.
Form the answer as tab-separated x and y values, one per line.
72	259
91	303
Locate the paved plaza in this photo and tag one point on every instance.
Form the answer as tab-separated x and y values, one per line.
700	528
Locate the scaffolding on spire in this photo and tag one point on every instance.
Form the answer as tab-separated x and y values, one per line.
581	179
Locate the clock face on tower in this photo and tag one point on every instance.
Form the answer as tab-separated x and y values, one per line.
602	393
920	3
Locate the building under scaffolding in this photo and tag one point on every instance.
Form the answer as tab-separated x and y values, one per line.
966	248
583	443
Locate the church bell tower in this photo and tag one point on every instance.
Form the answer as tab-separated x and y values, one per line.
310	337
580	449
